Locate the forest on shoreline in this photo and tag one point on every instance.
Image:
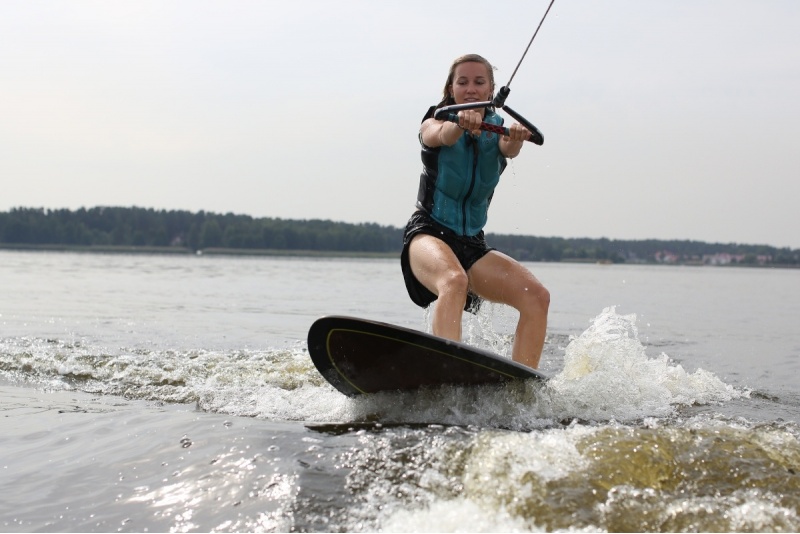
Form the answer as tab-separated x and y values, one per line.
133	229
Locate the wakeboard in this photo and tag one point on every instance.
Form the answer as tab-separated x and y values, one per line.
359	356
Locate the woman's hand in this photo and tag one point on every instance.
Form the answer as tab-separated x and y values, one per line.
511	144
518	133
470	120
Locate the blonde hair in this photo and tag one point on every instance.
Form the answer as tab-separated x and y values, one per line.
447	98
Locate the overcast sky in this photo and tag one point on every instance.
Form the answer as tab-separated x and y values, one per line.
665	119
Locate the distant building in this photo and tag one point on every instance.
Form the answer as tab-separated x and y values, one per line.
665	256
722	258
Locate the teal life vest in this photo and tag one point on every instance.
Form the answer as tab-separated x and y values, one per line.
457	182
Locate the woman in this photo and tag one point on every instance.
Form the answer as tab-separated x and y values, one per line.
445	256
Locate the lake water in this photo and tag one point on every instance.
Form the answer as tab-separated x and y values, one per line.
175	393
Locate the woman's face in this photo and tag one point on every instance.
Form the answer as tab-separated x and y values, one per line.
471	83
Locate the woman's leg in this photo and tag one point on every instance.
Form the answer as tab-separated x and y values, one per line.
499	278
436	267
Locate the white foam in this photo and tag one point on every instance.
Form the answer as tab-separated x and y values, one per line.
456	515
607	375
760	514
487	485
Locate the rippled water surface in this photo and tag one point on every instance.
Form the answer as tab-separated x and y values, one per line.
165	393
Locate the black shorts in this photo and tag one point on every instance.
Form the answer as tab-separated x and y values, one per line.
468	250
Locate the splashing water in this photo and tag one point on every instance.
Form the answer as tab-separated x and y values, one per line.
607	375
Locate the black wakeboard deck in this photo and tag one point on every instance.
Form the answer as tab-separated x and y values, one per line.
359	356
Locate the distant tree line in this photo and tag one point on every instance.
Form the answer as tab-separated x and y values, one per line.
183	230
643	251
141	227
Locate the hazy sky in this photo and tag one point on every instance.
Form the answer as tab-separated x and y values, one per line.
667	119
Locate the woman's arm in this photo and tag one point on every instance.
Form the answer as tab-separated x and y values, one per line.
444	133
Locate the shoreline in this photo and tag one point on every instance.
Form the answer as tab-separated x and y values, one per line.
175	250
127	249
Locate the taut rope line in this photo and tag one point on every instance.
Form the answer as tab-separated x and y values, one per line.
530	42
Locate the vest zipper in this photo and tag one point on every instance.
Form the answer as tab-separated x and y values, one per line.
474	143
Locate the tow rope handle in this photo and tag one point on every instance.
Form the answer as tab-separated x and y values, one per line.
450	113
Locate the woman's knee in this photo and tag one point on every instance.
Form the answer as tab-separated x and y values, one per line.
543	297
534	297
453	282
